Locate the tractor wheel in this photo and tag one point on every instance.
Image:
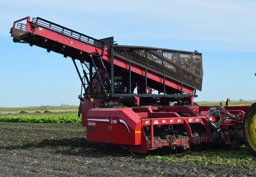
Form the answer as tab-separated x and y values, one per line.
249	128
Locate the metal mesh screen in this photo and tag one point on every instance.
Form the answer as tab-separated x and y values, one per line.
185	67
185	61
171	56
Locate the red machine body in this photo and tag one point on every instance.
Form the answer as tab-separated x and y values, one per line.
137	130
119	105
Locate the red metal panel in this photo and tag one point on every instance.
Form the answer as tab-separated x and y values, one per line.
98	126
86	106
163	114
142	114
128	129
121	125
143	148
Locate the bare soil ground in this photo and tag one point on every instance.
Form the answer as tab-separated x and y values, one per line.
38	149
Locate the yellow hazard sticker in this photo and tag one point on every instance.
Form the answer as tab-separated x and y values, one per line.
137	131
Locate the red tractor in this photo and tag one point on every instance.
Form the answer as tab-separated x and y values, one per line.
127	92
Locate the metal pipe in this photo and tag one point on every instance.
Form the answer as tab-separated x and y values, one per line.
91	84
112	71
164	86
130	79
152	133
146	82
85	74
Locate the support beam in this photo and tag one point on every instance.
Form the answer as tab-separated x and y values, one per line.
81	79
146	82
85	74
90	87
112	71
164	86
130	79
152	134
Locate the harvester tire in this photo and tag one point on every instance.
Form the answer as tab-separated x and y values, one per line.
249	128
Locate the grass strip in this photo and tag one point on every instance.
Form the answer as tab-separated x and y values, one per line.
55	118
231	103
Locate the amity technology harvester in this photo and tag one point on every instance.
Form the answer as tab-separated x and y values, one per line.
127	91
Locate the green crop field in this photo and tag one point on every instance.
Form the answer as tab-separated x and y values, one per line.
54	118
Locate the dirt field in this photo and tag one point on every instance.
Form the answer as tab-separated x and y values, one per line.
30	149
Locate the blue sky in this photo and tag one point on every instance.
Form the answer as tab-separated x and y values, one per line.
223	30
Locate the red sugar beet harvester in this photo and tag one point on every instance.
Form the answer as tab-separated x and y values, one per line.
128	90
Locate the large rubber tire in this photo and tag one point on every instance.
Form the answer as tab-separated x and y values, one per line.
249	128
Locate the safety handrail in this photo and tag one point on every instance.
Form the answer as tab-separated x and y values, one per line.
28	19
67	31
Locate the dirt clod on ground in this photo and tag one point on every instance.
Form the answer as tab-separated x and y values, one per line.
47	111
23	112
